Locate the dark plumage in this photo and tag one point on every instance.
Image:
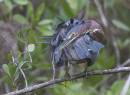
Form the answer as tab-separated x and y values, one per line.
76	41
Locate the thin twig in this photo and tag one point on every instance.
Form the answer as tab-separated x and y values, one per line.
24	76
126	86
102	15
125	63
117	51
74	77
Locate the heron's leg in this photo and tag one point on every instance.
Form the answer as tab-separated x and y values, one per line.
67	75
88	63
53	69
86	67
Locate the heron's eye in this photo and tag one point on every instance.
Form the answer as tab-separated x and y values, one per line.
75	21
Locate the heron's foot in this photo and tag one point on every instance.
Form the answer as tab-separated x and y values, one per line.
86	73
67	75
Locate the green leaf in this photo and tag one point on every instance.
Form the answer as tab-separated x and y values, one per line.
117	86
46	21
21	2
73	4
126	42
39	11
16	76
45	30
6	69
109	93
9	4
120	25
77	5
66	8
109	3
30	11
20	19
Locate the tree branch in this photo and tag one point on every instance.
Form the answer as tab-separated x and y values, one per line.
77	76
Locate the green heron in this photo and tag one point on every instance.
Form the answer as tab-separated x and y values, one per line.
76	40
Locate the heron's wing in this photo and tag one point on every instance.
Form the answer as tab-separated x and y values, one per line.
93	47
83	48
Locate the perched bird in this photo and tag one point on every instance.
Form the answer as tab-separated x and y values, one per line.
76	41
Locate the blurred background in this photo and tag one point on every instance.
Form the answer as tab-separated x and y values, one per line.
23	22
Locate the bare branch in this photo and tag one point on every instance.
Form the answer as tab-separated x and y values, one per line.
74	77
102	15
